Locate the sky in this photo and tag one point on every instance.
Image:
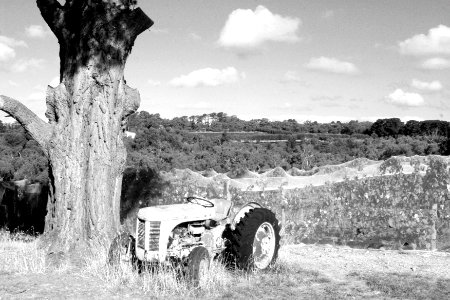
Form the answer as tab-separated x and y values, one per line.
288	59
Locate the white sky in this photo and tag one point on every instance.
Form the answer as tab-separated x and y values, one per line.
305	60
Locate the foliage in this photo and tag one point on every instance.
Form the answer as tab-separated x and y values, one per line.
20	156
391	165
391	209
226	143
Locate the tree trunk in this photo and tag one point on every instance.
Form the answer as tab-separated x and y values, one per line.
87	114
87	158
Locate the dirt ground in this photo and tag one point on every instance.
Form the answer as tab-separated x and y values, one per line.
307	272
337	262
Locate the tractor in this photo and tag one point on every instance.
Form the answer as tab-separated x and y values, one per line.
193	233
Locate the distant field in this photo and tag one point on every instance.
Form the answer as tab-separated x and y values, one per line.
253	136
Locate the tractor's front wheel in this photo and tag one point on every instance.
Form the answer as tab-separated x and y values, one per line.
255	241
198	265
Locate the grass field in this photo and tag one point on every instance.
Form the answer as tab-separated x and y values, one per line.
301	272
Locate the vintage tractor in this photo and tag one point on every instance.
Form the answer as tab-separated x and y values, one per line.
191	234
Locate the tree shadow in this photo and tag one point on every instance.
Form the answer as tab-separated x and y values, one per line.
140	188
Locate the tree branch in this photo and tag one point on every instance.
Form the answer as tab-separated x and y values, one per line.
135	22
38	129
131	99
138	22
53	14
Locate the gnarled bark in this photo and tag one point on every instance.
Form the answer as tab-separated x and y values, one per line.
87	113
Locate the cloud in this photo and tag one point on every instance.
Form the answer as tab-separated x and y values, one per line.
208	77
401	98
332	65
38	95
432	86
159	30
24	64
436	63
6	52
199	105
154	82
54	82
12	83
12	42
292	76
7	46
247	30
194	36
405	119
437	41
326	98
328	14
36	31
322	118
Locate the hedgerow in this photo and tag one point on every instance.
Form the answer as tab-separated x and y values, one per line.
393	209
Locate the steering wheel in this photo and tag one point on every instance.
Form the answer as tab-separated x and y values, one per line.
200	201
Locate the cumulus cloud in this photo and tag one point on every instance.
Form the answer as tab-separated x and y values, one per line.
154	82
291	76
332	65
36	31
432	86
7	46
208	77
12	42
247	30
401	98
6	52
328	14
437	41
12	83
25	64
436	63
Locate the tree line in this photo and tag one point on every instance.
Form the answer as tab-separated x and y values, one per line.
226	143
187	142
220	122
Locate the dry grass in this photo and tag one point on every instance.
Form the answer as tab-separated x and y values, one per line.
286	280
163	281
408	286
19	254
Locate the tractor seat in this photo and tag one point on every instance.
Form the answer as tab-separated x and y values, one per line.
222	208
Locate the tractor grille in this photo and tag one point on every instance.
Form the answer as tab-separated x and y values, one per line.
141	234
153	236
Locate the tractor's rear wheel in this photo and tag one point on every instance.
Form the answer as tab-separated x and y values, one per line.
198	265
255	241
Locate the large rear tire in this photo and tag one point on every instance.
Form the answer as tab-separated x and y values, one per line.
255	242
198	265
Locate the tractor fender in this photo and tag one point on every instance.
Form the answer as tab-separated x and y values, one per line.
241	213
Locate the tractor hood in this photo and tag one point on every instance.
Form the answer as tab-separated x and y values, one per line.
182	212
